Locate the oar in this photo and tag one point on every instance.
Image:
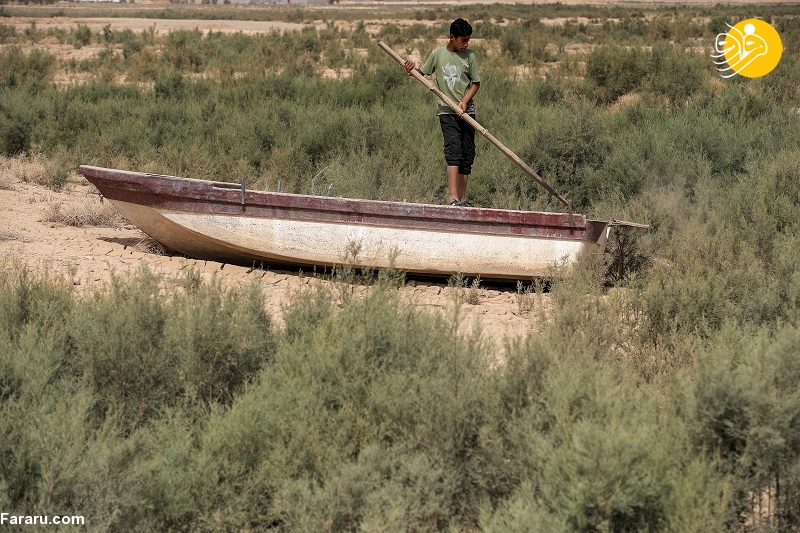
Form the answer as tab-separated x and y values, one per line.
474	123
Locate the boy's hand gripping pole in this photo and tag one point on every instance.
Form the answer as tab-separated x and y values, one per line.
474	123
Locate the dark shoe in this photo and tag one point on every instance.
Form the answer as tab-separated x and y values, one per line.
456	203
466	204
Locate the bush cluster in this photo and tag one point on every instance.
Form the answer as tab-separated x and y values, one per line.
663	71
144	408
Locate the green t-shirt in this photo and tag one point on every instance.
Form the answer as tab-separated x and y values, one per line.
455	73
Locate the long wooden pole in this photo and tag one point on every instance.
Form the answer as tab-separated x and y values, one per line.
474	123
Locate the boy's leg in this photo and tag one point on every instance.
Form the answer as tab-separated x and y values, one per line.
460	184
451	133
453	183
467	157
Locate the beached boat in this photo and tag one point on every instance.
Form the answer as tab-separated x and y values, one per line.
228	223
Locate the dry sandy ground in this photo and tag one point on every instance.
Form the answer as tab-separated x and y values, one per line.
31	235
160	26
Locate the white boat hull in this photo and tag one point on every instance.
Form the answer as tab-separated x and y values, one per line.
280	241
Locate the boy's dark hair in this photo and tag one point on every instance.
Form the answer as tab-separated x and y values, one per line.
460	28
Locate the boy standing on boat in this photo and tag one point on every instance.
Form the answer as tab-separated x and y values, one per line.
457	76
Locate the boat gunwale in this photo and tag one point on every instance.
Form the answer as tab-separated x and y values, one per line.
226	192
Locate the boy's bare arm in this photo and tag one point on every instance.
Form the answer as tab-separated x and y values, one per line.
468	95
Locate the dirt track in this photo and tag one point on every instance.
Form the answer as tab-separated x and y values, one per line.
159	25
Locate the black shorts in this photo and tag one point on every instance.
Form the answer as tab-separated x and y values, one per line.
459	142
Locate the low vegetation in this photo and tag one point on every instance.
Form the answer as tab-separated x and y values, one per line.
87	213
157	405
669	402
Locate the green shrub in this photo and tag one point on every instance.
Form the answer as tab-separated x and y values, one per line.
15	127
34	311
548	92
333	406
674	73
220	340
677	305
8	34
184	50
130	44
169	84
120	354
604	480
33	70
204	345
570	142
81	36
616	71
526	42
746	418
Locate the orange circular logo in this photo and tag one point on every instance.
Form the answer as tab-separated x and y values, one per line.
751	48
